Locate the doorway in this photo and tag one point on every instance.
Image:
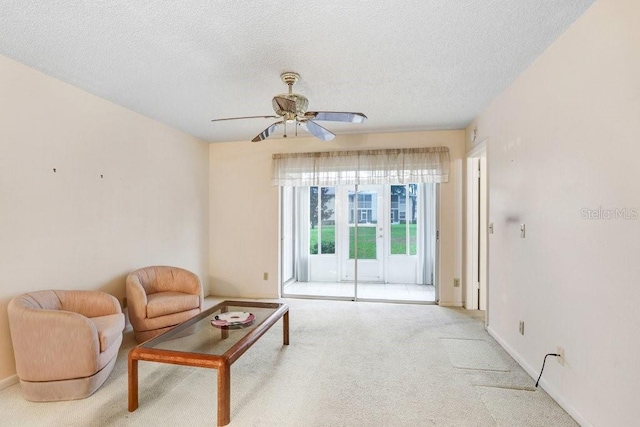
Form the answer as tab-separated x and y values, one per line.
367	242
477	229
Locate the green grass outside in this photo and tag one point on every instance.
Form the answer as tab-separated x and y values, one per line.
367	240
399	239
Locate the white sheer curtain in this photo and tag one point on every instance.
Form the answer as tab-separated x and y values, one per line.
426	234
302	234
392	166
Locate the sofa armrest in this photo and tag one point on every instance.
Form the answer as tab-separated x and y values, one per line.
194	286
89	303
136	300
174	279
190	283
44	339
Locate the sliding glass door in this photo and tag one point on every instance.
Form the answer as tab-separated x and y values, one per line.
372	242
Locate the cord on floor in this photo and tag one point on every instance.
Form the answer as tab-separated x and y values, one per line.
543	362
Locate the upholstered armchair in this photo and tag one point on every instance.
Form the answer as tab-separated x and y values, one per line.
65	342
160	297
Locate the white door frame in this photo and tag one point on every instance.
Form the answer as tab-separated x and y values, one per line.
476	286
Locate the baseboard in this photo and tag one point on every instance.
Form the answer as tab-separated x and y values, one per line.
450	303
533	372
9	381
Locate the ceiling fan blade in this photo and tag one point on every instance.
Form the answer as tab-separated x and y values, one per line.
317	130
285	104
267	132
245	117
336	116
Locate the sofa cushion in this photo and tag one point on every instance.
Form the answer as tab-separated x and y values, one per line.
163	303
109	328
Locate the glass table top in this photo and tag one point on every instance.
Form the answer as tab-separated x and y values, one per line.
199	335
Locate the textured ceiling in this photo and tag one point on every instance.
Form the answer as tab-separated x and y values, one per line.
408	65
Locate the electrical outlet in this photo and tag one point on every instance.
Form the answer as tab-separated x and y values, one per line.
521	328
456	283
560	358
265	276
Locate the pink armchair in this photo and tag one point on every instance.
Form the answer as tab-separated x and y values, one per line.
160	297
65	342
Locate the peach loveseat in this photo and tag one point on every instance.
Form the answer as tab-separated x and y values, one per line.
160	297
65	342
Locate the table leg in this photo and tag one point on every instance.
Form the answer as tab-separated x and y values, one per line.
224	394
285	328
224	331
133	384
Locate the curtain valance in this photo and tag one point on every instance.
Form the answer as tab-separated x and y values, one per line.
391	166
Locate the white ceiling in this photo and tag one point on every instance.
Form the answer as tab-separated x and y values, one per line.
408	65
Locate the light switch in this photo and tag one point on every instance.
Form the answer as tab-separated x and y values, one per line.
522	228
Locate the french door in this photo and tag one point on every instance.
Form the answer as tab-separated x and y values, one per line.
362	237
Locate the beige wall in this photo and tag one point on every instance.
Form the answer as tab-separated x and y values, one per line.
74	229
564	138
244	208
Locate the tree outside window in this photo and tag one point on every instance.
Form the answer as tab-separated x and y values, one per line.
322	220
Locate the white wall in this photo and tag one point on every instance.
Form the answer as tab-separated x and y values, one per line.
244	208
73	229
563	138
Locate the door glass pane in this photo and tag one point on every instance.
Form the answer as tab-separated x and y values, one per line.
366	242
398	217
322	232
313	220
328	220
412	214
367	217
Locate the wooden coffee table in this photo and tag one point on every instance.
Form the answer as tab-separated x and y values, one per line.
197	343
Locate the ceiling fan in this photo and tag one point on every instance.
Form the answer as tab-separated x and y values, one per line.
292	108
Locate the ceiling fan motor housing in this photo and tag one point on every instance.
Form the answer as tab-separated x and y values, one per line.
301	105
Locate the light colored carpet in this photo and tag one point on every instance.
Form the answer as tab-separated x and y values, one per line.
349	364
476	354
